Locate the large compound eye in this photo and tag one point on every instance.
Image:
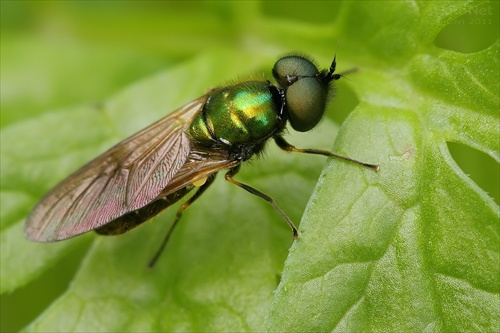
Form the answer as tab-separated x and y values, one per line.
305	92
305	102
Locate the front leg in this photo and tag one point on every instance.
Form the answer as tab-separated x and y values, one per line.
288	147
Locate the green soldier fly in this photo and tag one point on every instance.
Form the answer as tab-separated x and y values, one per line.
148	172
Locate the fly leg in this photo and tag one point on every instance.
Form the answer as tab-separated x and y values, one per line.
178	216
229	177
288	147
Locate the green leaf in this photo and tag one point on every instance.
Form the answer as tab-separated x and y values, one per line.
412	247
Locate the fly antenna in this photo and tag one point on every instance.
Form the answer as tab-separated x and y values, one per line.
330	76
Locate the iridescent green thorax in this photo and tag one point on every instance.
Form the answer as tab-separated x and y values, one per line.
241	114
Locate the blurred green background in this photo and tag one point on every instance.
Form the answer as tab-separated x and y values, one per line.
58	54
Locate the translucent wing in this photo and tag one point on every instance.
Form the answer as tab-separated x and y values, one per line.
201	163
125	178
